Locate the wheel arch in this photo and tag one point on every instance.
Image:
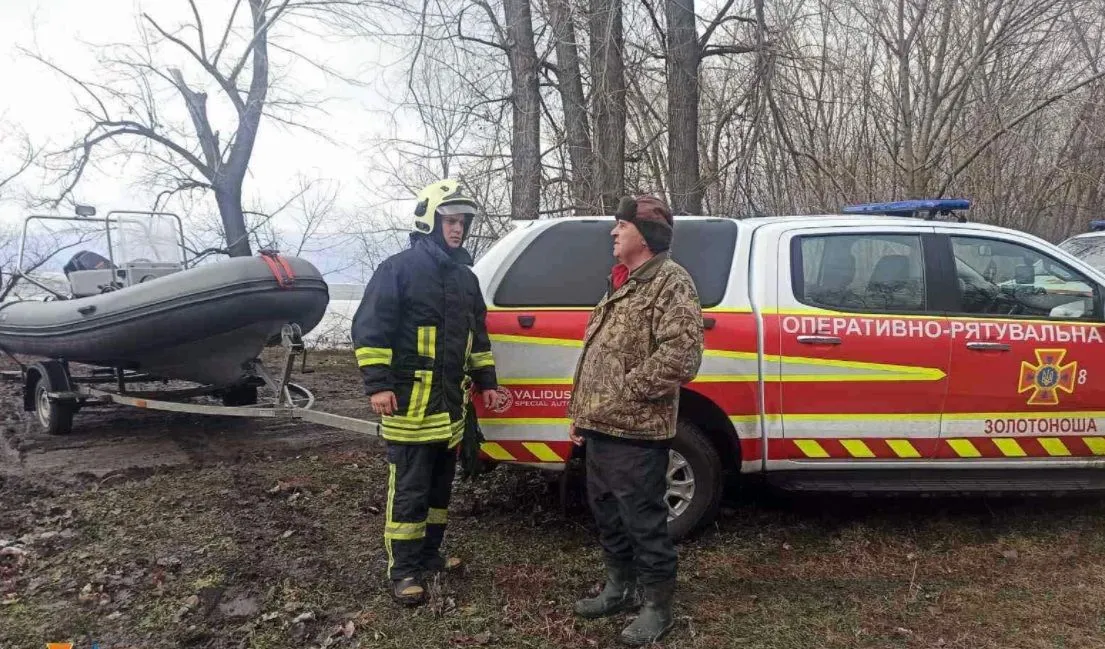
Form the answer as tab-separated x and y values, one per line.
713	421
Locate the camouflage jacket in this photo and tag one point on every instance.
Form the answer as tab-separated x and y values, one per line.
643	341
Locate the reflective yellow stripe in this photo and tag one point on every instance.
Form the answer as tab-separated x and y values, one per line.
407	423
902	448
496	452
856	448
810	447
404	531
1009	447
373	356
1095	444
542	451
482	359
964	448
437	516
424	379
428	429
1054	446
387	515
420	394
427	341
424	435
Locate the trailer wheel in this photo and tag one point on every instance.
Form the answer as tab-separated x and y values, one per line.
694	480
54	416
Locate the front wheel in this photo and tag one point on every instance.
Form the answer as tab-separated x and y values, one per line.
694	480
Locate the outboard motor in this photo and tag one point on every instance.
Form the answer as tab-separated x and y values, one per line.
87	260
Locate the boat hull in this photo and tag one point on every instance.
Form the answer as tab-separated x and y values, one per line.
204	324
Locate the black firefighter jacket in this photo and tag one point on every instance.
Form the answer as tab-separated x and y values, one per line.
420	331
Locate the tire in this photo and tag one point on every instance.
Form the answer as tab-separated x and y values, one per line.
55	417
694	481
240	395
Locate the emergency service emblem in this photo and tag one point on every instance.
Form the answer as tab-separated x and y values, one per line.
506	400
1047	377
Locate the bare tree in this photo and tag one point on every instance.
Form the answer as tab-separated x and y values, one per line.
608	100
577	125
127	116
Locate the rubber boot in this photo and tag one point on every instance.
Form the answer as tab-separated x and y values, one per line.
445	564
618	594
655	618
408	591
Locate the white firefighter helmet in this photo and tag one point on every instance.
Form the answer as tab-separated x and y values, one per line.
442	197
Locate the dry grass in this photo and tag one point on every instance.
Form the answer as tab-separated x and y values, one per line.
287	553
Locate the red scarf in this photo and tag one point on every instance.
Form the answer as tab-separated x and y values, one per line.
619	274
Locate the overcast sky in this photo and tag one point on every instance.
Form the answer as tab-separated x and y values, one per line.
72	33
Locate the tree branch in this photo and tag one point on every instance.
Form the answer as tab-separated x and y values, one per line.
231	91
985	144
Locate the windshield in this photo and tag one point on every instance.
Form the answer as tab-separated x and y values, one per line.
1089	249
154	238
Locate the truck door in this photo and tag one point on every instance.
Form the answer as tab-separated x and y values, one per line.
1028	354
863	349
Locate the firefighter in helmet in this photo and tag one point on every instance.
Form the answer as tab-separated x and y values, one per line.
421	341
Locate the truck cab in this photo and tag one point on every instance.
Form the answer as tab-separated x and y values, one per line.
861	352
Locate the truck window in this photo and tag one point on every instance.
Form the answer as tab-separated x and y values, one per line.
860	272
1003	278
567	265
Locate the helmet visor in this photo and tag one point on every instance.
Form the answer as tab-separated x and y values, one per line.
451	209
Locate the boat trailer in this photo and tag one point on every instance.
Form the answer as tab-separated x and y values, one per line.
55	395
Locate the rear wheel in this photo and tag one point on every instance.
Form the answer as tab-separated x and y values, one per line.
55	416
694	480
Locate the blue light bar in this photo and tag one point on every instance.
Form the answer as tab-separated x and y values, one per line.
910	208
1097	225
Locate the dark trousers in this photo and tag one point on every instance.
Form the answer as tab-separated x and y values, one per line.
626	483
420	482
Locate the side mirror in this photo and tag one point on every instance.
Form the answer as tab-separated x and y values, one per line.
1025	275
85	210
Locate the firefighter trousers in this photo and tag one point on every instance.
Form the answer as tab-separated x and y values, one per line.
626	483
420	483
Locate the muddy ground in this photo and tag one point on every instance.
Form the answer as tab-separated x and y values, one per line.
147	530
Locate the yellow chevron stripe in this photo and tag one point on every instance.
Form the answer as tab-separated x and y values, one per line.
1095	444
810	448
542	451
964	448
496	452
1054	446
1009	447
856	448
902	448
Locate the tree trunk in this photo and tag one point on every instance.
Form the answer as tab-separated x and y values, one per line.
576	127
525	185
683	57
608	94
229	200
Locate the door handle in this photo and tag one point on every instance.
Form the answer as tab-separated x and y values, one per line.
988	346
526	321
819	340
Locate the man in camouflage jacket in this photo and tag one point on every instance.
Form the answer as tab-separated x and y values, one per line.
643	341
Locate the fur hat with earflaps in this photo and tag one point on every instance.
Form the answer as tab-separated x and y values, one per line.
651	217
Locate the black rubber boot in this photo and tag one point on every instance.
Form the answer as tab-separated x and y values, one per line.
618	594
655	618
